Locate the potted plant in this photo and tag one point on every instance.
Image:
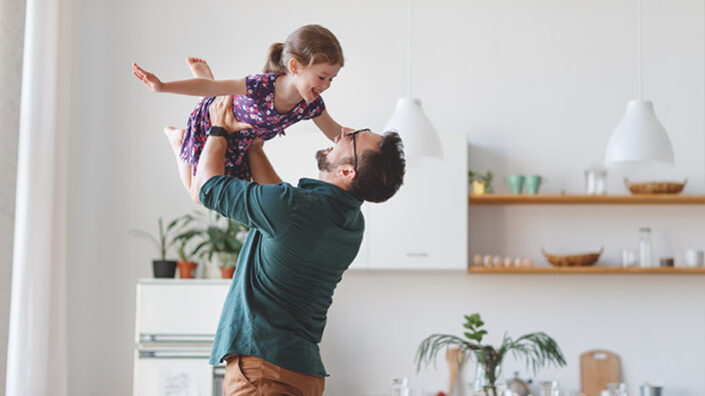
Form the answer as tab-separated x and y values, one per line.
538	349
221	239
186	263
161	267
481	183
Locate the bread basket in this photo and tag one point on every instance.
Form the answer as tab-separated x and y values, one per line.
663	187
572	260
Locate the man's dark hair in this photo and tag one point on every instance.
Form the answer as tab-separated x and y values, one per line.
380	173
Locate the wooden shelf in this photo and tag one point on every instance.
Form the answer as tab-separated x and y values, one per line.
564	199
588	270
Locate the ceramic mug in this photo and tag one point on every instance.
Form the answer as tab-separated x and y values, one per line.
532	184
695	258
516	183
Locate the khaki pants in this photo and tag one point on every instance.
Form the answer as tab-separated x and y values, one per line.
250	376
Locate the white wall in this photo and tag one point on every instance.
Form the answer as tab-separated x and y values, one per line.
538	87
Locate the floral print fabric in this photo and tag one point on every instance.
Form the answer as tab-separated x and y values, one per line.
257	109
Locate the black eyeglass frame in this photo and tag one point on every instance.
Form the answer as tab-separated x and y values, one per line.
353	133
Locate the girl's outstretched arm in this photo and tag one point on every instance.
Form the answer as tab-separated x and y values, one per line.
327	125
192	86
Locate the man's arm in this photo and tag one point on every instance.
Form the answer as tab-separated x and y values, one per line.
260	167
212	160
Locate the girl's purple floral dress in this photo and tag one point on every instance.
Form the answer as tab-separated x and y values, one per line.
257	109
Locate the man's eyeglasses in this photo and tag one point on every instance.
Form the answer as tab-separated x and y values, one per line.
353	133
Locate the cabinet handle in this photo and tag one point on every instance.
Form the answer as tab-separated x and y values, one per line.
416	254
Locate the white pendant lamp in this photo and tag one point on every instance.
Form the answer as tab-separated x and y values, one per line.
409	120
639	138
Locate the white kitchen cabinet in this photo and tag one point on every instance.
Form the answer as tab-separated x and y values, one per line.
175	325
424	226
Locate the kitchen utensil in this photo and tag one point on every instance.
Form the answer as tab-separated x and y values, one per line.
597	369
453	356
663	187
575	260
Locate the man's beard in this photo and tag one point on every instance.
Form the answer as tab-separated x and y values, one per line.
322	159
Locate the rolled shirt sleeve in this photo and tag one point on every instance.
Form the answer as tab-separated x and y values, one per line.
264	207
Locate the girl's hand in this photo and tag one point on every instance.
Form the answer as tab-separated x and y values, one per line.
147	78
221	114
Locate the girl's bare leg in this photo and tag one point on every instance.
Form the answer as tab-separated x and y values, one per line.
176	137
199	68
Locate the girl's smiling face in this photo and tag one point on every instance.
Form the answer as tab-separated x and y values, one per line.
312	80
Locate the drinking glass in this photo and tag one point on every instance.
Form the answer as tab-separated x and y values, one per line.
617	389
548	388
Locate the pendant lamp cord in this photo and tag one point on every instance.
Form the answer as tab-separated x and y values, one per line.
640	50
408	54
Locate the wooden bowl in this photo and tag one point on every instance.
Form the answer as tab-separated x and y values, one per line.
572	260
655	187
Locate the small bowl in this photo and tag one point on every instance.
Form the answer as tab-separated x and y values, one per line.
572	260
663	187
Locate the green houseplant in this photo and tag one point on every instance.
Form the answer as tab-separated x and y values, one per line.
538	349
162	267
481	183
186	263
219	238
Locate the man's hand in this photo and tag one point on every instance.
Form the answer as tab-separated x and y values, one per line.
147	78
221	114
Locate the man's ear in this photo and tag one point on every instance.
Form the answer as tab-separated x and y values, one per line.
346	172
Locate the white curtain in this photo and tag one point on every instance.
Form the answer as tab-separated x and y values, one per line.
37	341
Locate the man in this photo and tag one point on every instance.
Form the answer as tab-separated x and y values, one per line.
301	241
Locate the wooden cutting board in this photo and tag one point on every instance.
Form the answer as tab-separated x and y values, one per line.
597	369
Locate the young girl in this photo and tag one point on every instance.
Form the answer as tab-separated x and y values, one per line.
296	73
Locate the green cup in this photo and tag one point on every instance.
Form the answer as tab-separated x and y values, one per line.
516	183
532	184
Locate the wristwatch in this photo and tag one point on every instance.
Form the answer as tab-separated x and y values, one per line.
218	131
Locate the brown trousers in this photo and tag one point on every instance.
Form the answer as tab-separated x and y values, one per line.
250	376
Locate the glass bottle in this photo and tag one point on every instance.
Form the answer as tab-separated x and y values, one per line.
645	247
400	387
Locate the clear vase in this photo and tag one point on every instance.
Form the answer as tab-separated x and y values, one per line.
483	385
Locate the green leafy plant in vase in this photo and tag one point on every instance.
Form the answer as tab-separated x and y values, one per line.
538	349
481	184
220	240
162	267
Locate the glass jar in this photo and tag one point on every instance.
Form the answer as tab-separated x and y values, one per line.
645	247
400	387
596	179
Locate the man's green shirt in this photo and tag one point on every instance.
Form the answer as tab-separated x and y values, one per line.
301	241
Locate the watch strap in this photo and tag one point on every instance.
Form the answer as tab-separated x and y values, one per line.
217	131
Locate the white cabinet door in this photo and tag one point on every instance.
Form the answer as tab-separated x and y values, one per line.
172	376
424	226
294	157
178	308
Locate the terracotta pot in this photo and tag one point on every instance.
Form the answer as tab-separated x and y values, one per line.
164	269
227	272
186	269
